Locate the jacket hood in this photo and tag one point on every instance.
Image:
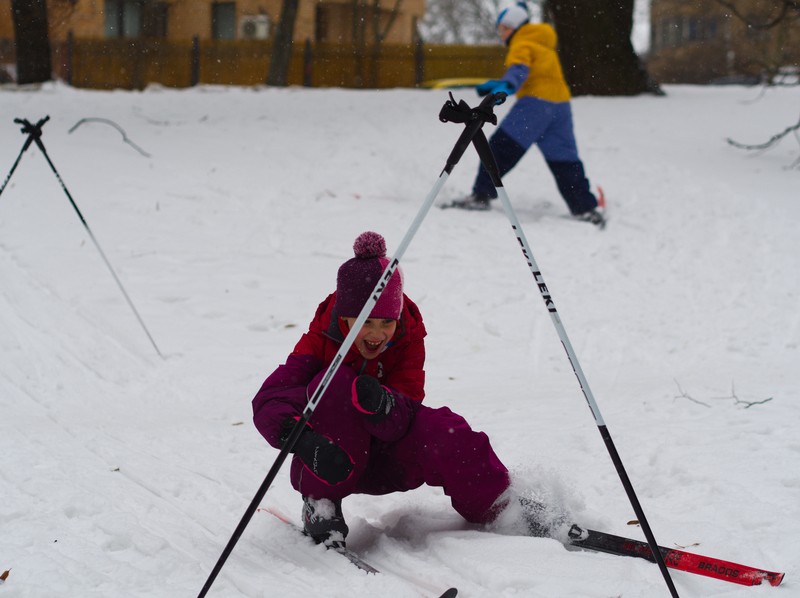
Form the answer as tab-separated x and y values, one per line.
538	33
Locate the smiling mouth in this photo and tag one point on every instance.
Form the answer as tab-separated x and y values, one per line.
372	346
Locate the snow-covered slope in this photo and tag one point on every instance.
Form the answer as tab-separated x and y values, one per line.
124	474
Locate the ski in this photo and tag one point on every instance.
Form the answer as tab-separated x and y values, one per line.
601	203
456	204
673	558
348	554
345	552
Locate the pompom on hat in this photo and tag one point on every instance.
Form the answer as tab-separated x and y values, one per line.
514	16
358	276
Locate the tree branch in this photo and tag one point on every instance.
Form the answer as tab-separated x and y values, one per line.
736	399
106	121
785	8
770	142
684	395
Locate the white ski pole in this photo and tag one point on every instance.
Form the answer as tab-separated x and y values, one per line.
34	132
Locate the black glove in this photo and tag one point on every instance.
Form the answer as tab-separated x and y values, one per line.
327	460
373	398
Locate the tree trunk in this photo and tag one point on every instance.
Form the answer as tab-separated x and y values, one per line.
596	50
32	41
282	46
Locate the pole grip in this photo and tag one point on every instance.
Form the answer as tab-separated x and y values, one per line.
473	119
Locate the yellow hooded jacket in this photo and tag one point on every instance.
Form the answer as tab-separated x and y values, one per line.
534	46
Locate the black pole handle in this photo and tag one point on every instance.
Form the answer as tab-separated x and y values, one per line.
30	129
474	118
461	112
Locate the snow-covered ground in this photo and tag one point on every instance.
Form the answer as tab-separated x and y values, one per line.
124	474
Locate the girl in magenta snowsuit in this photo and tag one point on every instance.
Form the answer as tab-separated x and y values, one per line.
371	433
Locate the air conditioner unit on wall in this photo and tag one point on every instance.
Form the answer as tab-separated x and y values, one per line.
254	27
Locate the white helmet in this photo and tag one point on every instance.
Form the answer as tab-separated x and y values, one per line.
514	16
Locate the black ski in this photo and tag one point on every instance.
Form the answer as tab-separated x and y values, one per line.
673	558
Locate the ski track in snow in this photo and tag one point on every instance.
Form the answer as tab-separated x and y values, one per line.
124	474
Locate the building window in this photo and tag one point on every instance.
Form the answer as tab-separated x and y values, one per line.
671	32
158	21
223	20
711	27
693	34
321	23
123	18
681	31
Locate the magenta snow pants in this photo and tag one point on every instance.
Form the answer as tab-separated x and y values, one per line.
439	449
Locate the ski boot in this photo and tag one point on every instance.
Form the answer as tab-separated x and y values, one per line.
324	523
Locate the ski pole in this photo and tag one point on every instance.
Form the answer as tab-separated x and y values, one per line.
34	133
487	158
473	119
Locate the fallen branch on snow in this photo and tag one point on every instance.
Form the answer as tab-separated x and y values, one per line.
770	142
736	399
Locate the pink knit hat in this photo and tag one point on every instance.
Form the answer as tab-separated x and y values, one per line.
358	276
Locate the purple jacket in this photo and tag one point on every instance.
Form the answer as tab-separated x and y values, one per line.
285	393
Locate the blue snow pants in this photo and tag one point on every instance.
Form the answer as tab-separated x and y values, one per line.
549	126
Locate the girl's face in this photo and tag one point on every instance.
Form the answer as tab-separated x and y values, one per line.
373	336
504	31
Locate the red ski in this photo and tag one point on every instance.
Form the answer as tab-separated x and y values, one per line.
673	558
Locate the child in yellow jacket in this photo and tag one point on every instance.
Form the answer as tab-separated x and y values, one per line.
541	116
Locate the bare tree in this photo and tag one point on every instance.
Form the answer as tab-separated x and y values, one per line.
32	41
777	13
282	46
371	24
460	21
777	16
